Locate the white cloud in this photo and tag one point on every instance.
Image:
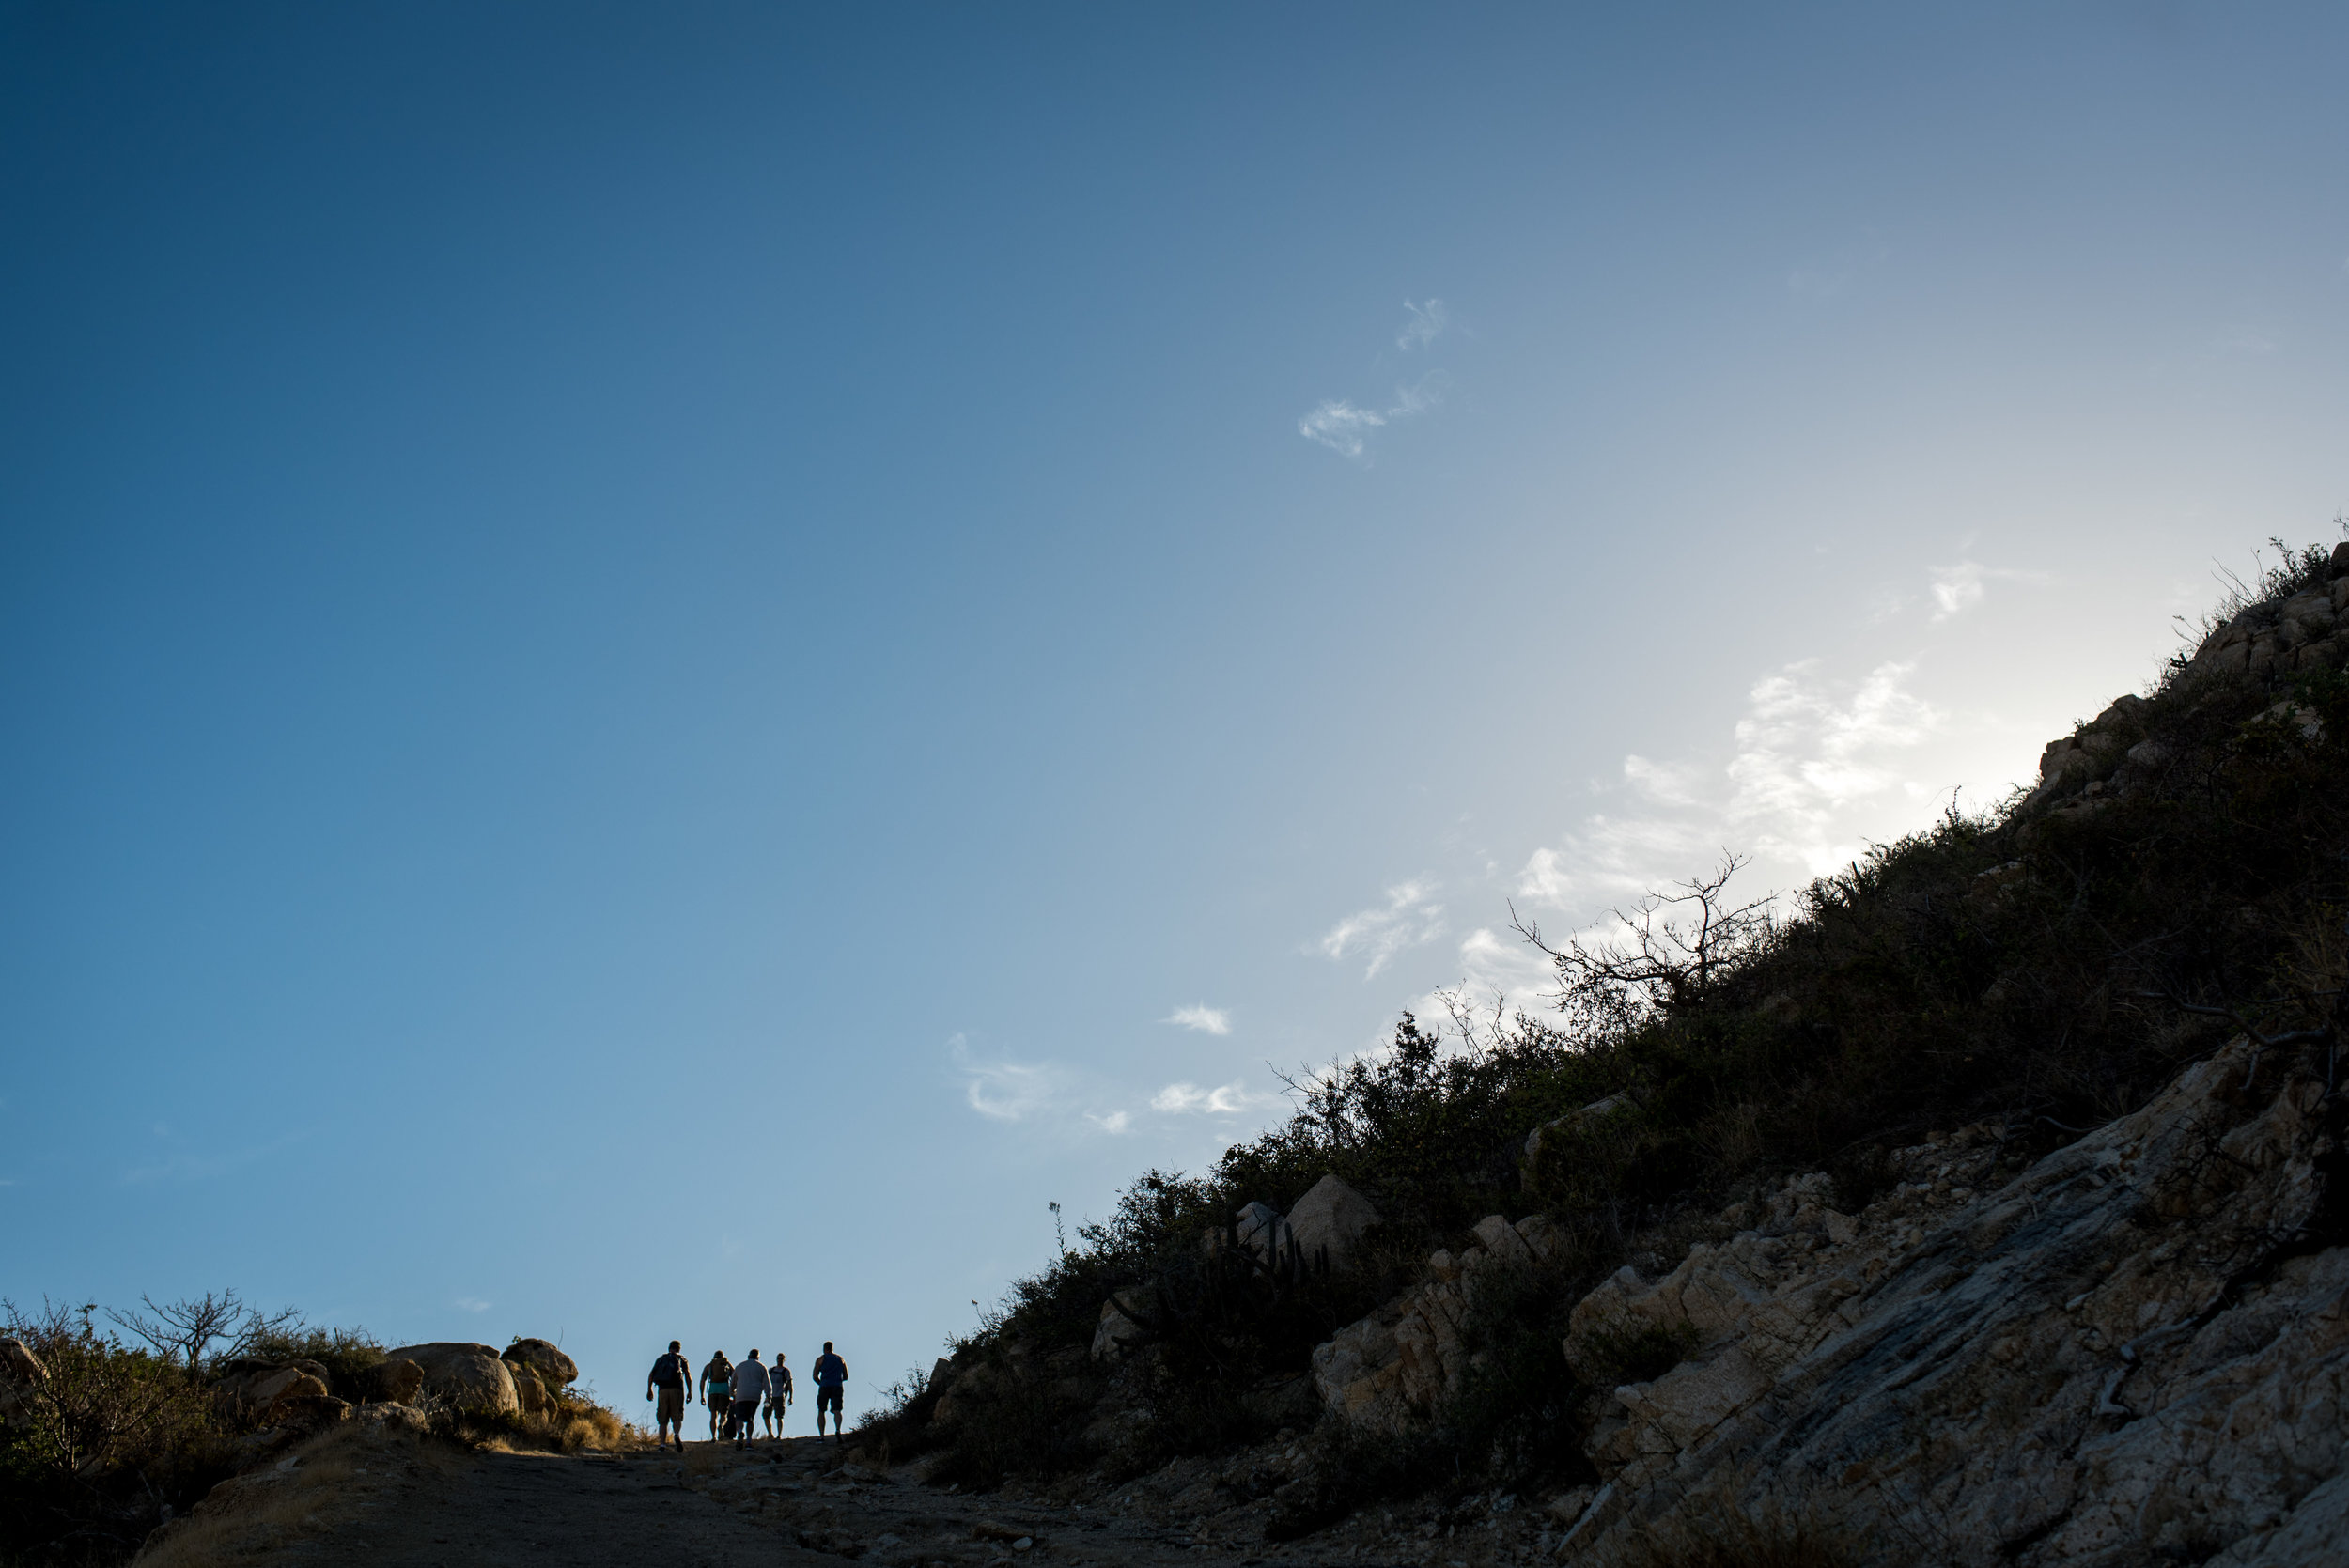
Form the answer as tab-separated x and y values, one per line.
1808	753
1959	588
473	1304
1805	750
1115	1121
1208	1020
1405	920
1427	323
1229	1099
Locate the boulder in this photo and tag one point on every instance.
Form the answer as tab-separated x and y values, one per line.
309	1408
1329	1220
389	1417
1580	1121
545	1357
394	1382
250	1388
1119	1329
294	1391
1265	1232
530	1388
470	1376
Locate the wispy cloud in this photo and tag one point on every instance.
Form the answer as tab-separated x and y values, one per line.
1341	427
1407	919
1230	1099
1957	589
1346	427
1426	324
1039	1094
473	1304
1004	1089
1208	1020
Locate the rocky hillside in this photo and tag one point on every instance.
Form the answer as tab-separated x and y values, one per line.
1986	1209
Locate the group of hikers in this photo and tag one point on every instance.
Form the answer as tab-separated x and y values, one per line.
736	1392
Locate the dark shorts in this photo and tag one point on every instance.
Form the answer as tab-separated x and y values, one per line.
829	1399
672	1405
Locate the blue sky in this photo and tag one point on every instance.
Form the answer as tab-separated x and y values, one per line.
661	666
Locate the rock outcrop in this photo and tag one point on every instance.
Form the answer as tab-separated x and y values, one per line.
1330	1221
396	1381
264	1390
555	1369
2282	636
1396	1366
2136	1350
470	1376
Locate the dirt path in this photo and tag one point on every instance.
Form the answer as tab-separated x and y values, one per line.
513	1508
392	1501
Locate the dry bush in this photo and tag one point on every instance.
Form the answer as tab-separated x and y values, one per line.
573	1423
115	1437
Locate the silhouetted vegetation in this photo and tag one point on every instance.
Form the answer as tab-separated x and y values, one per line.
2045	963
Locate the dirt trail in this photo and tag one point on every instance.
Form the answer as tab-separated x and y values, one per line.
393	1503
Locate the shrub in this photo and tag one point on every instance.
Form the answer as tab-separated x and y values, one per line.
346	1353
113	1436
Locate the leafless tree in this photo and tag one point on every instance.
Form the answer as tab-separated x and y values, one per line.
1673	948
187	1329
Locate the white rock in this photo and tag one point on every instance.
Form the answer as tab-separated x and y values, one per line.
1329	1220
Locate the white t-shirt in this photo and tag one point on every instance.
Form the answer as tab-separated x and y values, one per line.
750	1380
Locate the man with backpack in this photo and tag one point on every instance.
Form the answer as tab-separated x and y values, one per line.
778	1394
751	1385
669	1375
831	1375
717	1389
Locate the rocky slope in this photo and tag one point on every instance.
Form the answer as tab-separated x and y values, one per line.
2136	1350
1884	1306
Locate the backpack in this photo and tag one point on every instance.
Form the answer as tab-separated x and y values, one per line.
670	1370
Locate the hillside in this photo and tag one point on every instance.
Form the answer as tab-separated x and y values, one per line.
1980	1203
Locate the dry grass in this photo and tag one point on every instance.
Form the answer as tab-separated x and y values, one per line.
575	1425
313	1485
